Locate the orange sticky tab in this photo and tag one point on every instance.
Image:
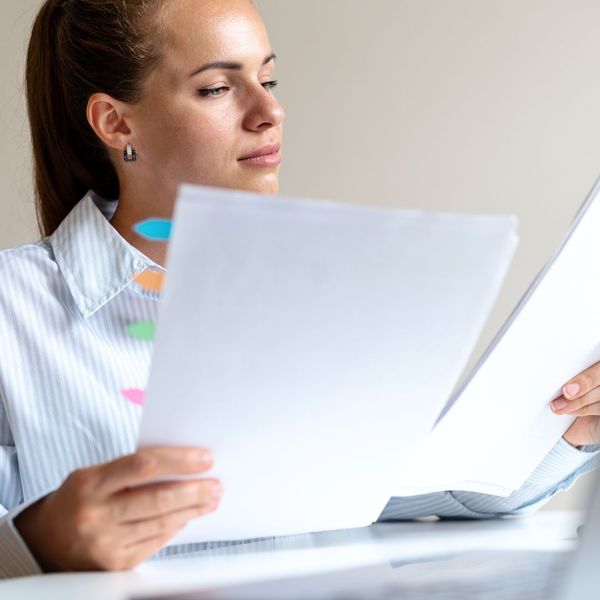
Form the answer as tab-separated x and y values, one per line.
151	281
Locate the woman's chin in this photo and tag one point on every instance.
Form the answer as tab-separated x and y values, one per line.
264	185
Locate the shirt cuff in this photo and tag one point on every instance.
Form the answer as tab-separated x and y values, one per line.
561	462
557	472
592	448
15	558
440	504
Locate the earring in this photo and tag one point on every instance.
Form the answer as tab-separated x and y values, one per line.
129	154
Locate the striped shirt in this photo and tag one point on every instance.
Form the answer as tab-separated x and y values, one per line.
67	359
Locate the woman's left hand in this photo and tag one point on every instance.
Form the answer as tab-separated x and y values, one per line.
581	398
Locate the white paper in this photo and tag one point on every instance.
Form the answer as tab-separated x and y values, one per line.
310	345
501	426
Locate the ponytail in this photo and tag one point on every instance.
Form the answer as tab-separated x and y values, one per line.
78	48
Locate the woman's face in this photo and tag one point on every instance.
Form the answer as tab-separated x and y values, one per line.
209	104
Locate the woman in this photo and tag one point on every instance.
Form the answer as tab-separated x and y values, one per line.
129	99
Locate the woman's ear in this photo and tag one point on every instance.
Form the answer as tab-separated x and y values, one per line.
107	117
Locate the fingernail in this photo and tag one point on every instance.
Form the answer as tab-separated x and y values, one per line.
571	390
560	404
204	458
216	490
215	499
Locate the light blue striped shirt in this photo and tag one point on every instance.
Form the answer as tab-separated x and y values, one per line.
66	357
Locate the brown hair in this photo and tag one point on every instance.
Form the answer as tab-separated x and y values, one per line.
78	48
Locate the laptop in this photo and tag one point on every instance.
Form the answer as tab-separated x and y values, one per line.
583	578
490	575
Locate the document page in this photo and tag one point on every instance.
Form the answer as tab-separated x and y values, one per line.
310	345
500	425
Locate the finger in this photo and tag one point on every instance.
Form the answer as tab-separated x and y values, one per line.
150	464
583	383
128	557
591	410
154	500
140	532
566	406
138	552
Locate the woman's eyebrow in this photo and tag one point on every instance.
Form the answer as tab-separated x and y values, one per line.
228	65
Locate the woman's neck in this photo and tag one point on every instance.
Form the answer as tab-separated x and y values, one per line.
131	211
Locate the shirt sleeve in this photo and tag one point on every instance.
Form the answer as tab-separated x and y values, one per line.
557	472
15	558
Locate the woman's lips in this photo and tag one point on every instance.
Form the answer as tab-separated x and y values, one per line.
267	156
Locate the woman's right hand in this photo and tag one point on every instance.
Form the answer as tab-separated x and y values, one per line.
112	517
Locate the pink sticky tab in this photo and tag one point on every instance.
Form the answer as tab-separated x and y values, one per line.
135	396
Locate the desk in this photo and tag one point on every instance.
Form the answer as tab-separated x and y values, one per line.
304	554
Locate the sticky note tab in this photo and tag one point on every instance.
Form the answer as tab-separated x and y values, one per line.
143	330
151	281
135	396
155	230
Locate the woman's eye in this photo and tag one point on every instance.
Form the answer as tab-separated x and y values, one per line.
215	92
212	92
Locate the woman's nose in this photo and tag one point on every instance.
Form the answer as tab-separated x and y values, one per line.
265	111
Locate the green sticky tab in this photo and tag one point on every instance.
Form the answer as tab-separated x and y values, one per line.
143	330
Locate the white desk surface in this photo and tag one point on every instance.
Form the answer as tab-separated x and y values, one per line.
304	554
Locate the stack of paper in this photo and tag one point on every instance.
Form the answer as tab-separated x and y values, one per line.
500	426
311	346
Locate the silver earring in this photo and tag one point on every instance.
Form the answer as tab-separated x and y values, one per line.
129	154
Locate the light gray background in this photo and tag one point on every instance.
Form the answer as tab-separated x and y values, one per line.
487	106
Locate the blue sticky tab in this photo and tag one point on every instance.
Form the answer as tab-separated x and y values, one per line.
156	230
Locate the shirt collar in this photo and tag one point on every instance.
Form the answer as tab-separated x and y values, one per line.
95	260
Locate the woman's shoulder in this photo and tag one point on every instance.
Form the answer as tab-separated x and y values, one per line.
37	253
31	265
32	290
